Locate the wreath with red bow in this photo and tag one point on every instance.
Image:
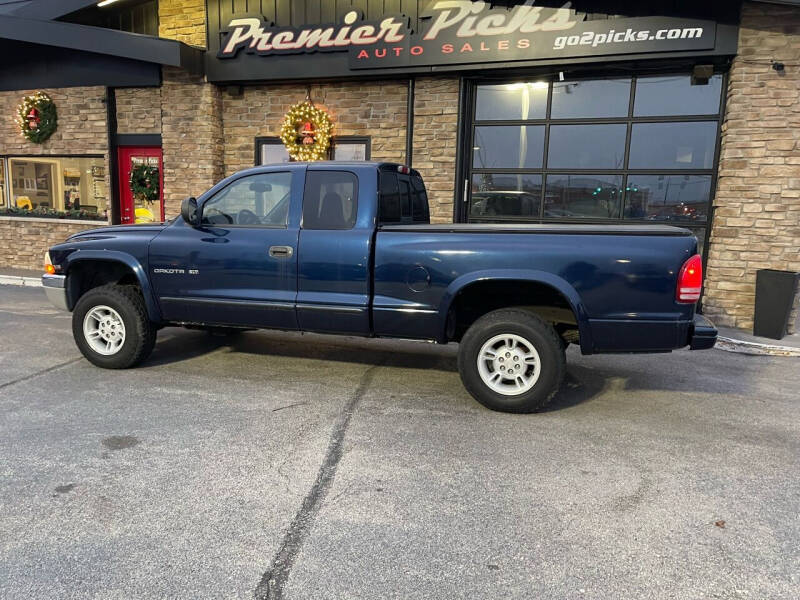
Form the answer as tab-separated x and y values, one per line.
37	117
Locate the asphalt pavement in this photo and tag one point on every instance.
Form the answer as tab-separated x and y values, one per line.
278	465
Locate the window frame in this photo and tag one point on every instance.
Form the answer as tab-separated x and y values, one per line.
228	187
467	171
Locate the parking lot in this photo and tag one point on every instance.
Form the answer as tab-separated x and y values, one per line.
280	465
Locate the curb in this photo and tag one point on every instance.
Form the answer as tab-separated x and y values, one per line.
754	348
18	280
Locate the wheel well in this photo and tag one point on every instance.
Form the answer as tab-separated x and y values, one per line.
89	274
482	297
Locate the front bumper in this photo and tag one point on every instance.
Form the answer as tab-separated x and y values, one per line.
704	334
56	290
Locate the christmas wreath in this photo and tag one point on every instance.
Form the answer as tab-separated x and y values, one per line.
306	132
144	182
37	117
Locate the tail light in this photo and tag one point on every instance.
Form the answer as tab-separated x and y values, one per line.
690	281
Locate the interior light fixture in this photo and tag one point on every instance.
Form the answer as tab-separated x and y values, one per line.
105	3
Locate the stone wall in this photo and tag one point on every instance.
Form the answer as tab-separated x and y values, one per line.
24	241
183	20
757	216
375	109
434	149
191	133
81	123
138	110
81	131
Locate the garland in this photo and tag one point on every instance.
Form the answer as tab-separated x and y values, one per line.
36	117
144	182
306	132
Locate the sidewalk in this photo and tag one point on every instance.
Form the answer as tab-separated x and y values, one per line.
736	340
28	277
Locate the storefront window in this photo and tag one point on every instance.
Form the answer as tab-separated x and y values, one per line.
58	187
619	149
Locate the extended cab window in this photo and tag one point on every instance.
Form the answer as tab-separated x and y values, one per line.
419	201
256	201
330	200
389	202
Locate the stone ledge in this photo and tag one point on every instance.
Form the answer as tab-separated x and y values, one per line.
48	220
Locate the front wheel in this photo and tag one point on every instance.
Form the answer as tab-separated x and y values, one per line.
510	360
111	328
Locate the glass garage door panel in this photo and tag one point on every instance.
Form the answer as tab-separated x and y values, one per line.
668	198
587	146
511	101
505	195
673	145
583	196
591	98
508	147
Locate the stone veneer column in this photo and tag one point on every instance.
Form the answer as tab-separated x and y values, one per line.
191	132
757	219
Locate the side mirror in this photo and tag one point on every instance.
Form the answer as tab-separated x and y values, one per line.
189	212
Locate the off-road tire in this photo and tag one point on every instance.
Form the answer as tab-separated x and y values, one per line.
140	333
540	334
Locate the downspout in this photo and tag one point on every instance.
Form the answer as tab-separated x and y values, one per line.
410	122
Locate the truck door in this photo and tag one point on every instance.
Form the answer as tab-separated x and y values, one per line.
334	265
239	266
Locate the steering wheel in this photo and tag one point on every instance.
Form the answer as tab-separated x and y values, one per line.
216	211
247	217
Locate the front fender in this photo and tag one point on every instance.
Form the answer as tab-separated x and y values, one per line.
528	275
153	312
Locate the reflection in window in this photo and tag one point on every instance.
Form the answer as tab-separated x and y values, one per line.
505	195
667	197
274	153
590	98
256	201
56	187
675	95
673	145
587	146
2	182
512	101
509	147
583	196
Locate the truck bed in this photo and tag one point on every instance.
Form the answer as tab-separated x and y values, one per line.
548	228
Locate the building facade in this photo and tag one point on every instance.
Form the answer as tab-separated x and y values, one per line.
598	112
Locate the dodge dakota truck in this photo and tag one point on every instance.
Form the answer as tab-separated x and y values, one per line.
348	248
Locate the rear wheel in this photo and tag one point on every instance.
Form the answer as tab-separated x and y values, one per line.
510	360
111	328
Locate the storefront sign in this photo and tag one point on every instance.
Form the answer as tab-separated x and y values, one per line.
463	32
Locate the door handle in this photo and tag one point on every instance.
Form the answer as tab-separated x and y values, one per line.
281	251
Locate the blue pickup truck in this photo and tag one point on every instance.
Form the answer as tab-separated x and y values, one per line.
348	248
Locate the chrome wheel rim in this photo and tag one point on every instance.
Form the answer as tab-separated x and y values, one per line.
509	364
104	330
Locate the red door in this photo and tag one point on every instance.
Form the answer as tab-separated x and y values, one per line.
141	184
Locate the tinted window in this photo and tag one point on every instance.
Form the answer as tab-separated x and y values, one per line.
505	195
509	147
256	200
675	95
329	200
587	146
389	198
584	196
405	197
668	197
419	202
586	99
673	145
512	101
